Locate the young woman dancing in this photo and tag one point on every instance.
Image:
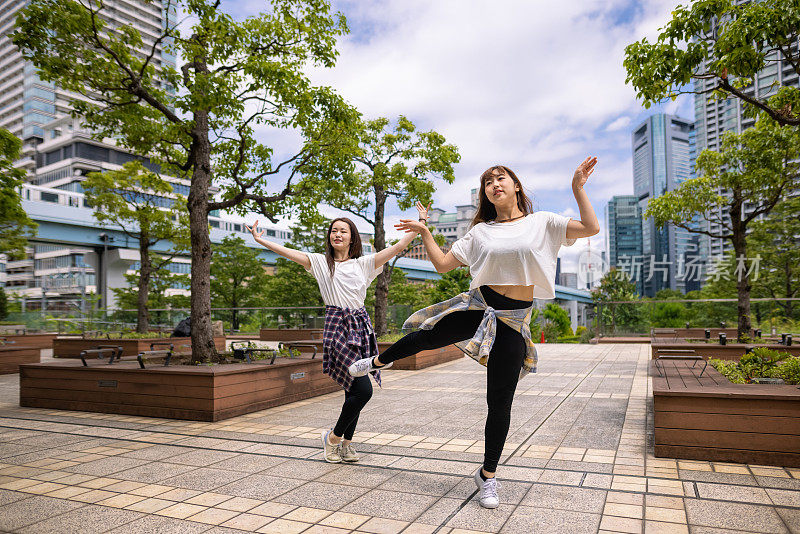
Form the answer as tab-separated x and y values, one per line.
343	276
511	253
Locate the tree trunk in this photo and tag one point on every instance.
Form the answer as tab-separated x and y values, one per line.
202	335
145	271
382	286
743	285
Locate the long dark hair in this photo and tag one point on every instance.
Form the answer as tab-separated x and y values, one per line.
355	243
486	210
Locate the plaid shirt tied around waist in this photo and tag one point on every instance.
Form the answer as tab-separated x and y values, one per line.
480	345
348	336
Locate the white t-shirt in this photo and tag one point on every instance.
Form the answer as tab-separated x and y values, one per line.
519	253
347	288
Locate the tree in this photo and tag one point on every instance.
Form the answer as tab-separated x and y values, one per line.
15	226
776	241
143	206
161	280
238	278
450	284
394	162
757	167
616	286
3	304
559	317
721	45
668	314
291	286
238	80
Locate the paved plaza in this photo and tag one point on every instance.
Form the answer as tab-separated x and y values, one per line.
578	459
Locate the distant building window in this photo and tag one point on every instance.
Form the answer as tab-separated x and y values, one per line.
271	233
49	197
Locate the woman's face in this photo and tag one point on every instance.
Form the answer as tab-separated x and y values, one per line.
340	236
500	189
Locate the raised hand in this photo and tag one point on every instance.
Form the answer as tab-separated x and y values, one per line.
252	230
410	225
423	211
583	172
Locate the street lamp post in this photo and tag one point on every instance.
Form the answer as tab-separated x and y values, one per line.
106	239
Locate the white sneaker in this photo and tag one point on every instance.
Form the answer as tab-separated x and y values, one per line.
329	451
364	366
488	490
348	453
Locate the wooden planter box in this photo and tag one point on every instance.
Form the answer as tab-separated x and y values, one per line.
289	334
421	360
11	356
629	339
198	393
72	347
709	418
37	341
698	333
426	358
731	351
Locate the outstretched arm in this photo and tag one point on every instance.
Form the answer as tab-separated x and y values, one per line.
390	252
588	225
441	261
288	253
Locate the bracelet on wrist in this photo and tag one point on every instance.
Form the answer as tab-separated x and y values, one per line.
423	220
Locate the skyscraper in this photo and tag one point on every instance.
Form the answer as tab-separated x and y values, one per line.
623	218
28	104
714	117
661	161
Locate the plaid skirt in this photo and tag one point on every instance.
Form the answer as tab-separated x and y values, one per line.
348	336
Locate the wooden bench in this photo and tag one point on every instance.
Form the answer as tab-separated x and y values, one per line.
677	354
667	333
114	352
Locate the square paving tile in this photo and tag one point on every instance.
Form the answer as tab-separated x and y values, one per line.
328	496
259	486
527	519
24	512
153	524
203	479
405	507
748	517
565	498
88	520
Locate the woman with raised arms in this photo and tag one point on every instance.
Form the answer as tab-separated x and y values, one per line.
343	275
511	254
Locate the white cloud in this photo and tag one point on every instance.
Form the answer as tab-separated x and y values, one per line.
619	124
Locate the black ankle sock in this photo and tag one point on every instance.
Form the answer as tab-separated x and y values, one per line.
483	477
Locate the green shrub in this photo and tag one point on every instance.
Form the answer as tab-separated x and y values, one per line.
728	369
580	330
391	338
789	371
569	339
587	335
551	332
761	362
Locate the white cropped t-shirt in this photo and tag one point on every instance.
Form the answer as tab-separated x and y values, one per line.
518	253
347	288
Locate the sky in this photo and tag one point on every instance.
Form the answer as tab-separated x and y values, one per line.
536	85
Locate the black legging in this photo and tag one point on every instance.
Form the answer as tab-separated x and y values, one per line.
354	400
503	367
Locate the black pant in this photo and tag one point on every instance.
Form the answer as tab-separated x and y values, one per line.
354	401
502	370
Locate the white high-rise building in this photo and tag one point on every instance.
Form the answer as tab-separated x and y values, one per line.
714	117
28	104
